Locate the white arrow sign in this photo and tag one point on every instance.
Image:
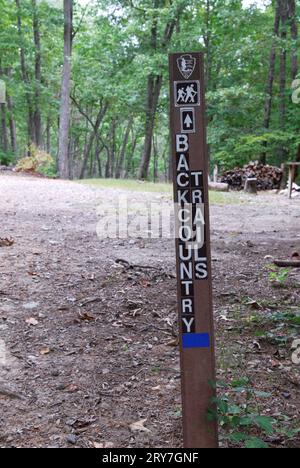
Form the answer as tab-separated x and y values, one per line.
188	121
187	117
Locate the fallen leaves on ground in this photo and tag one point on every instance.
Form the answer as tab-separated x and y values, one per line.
6	242
72	388
32	321
103	445
85	316
139	426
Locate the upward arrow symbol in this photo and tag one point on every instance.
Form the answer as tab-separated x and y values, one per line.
188	121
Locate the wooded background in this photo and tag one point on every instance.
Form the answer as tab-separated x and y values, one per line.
88	83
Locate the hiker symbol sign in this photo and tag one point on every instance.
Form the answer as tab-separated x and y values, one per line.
187	92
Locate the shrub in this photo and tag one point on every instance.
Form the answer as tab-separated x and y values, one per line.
6	159
39	161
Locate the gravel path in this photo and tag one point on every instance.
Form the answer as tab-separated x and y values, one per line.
87	347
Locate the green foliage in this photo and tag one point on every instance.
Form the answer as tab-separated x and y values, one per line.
245	148
277	328
113	57
238	414
38	161
6	159
279	276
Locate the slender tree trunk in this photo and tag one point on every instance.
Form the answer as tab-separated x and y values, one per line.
4	128
99	149
65	105
154	88
92	137
11	120
123	149
91	160
25	76
113	148
12	125
107	166
38	75
294	56
48	135
282	76
3	117
131	155
155	159
294	36
155	82
271	77
207	43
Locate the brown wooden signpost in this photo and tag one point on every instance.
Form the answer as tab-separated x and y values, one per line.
190	163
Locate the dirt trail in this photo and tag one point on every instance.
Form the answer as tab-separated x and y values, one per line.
88	347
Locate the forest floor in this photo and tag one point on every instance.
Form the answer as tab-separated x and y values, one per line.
88	346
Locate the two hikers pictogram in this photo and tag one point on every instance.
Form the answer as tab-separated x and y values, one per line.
187	93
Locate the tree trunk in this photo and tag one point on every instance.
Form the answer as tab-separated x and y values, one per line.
12	125
207	43
11	120
271	77
38	75
99	149
4	129
112	158
107	166
155	81
294	36
155	159
123	149
130	158
25	77
282	76
91	160
48	135
65	106
154	88
294	58
92	137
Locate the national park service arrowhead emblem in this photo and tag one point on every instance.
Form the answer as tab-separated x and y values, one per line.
186	65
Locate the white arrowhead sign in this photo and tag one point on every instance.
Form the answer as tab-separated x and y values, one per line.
188	121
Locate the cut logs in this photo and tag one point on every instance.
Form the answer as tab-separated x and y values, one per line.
293	262
218	187
268	177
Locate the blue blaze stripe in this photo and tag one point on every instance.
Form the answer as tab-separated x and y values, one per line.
196	340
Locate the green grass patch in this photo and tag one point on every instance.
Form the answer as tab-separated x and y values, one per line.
216	198
223	198
128	184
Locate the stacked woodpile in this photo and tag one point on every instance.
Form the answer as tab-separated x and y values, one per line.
268	177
